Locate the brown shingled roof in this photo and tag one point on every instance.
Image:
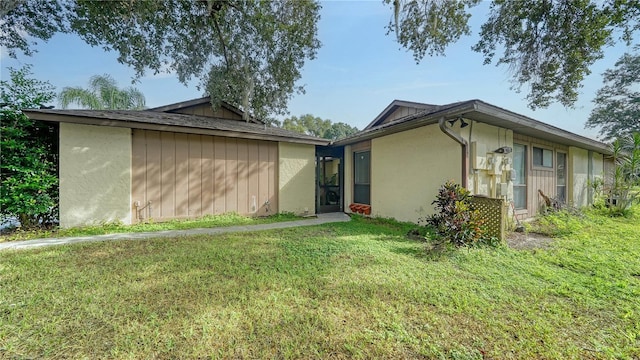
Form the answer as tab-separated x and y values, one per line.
172	122
484	112
200	101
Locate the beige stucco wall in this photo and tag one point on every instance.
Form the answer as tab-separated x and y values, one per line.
598	173
95	174
598	165
578	175
407	169
296	178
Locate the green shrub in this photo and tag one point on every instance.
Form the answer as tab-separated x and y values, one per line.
455	221
623	192
28	180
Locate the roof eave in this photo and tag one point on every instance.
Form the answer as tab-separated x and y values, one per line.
85	120
419	121
527	126
516	122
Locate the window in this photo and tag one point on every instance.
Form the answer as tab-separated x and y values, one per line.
542	157
561	177
520	182
362	177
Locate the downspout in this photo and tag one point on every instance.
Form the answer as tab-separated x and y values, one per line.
464	147
590	177
472	171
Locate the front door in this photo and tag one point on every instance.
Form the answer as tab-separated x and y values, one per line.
329	179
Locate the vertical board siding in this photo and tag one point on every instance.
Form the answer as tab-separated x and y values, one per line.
208	175
263	180
220	156
401	111
195	175
168	208
207	111
254	164
232	174
538	179
273	179
154	173
183	176
243	176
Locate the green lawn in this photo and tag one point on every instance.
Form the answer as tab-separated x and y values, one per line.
348	290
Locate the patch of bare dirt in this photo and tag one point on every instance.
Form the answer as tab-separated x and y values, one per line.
527	241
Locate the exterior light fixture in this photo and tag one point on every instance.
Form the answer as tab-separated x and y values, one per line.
462	122
503	150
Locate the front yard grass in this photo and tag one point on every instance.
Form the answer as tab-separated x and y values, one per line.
348	290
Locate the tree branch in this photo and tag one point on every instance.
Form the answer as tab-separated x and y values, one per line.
224	47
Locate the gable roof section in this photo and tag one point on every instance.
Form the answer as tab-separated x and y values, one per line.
481	111
395	105
162	121
182	105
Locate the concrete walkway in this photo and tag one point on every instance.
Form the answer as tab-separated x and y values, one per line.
35	243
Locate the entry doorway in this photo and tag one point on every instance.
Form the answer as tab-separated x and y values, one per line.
329	179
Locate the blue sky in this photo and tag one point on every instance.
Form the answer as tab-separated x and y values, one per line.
358	71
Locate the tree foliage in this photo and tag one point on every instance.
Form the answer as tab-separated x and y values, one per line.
617	103
315	126
548	46
28	151
21	20
103	93
247	53
339	131
428	27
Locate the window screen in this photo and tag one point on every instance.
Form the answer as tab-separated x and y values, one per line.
362	177
520	182
561	177
542	157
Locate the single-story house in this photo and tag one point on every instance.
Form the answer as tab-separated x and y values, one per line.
185	160
178	161
397	163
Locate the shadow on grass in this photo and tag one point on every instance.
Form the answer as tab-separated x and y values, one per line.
416	252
